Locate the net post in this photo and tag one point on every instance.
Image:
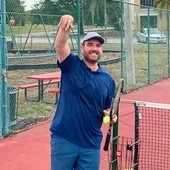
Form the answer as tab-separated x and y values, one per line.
136	135
114	144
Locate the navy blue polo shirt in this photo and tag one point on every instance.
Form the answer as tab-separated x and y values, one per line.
84	94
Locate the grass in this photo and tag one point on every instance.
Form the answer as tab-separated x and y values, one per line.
39	109
18	77
18	29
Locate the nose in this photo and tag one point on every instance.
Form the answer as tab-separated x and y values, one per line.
94	47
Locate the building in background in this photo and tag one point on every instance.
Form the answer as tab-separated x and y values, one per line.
157	17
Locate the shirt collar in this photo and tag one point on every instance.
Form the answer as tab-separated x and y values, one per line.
99	70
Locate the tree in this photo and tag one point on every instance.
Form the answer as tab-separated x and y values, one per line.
61	7
164	4
16	6
48	7
114	13
13	8
91	11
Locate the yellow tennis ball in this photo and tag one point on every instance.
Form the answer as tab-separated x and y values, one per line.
106	119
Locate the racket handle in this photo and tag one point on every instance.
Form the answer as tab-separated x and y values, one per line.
107	141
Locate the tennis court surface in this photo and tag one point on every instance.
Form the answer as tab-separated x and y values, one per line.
30	149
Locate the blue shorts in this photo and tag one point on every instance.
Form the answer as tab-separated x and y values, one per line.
68	156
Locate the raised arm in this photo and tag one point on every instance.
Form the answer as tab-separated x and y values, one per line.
61	46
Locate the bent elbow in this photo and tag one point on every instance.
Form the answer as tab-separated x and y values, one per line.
59	46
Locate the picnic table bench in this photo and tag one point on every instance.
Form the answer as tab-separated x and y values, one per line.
55	91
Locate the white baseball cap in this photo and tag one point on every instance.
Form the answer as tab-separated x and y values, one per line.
93	35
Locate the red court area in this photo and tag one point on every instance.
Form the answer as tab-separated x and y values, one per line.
30	149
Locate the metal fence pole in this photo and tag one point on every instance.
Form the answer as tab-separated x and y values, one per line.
168	37
121	35
3	75
78	24
0	81
149	57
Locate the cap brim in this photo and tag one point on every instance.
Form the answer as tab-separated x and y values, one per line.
93	35
99	38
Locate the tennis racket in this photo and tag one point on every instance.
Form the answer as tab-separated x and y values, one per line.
113	111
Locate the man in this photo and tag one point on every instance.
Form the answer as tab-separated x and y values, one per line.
85	98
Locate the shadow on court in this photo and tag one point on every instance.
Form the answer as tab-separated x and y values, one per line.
30	149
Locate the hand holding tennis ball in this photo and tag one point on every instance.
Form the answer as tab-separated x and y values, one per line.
106	119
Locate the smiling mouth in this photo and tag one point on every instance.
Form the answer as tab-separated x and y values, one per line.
94	53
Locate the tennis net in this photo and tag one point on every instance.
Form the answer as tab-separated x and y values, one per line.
152	128
123	149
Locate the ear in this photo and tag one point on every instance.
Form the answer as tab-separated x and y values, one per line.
82	48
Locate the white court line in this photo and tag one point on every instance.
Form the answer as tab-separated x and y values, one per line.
146	104
127	101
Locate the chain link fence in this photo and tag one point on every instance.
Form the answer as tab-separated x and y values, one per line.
30	49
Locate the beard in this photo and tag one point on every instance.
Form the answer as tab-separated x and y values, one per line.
92	57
